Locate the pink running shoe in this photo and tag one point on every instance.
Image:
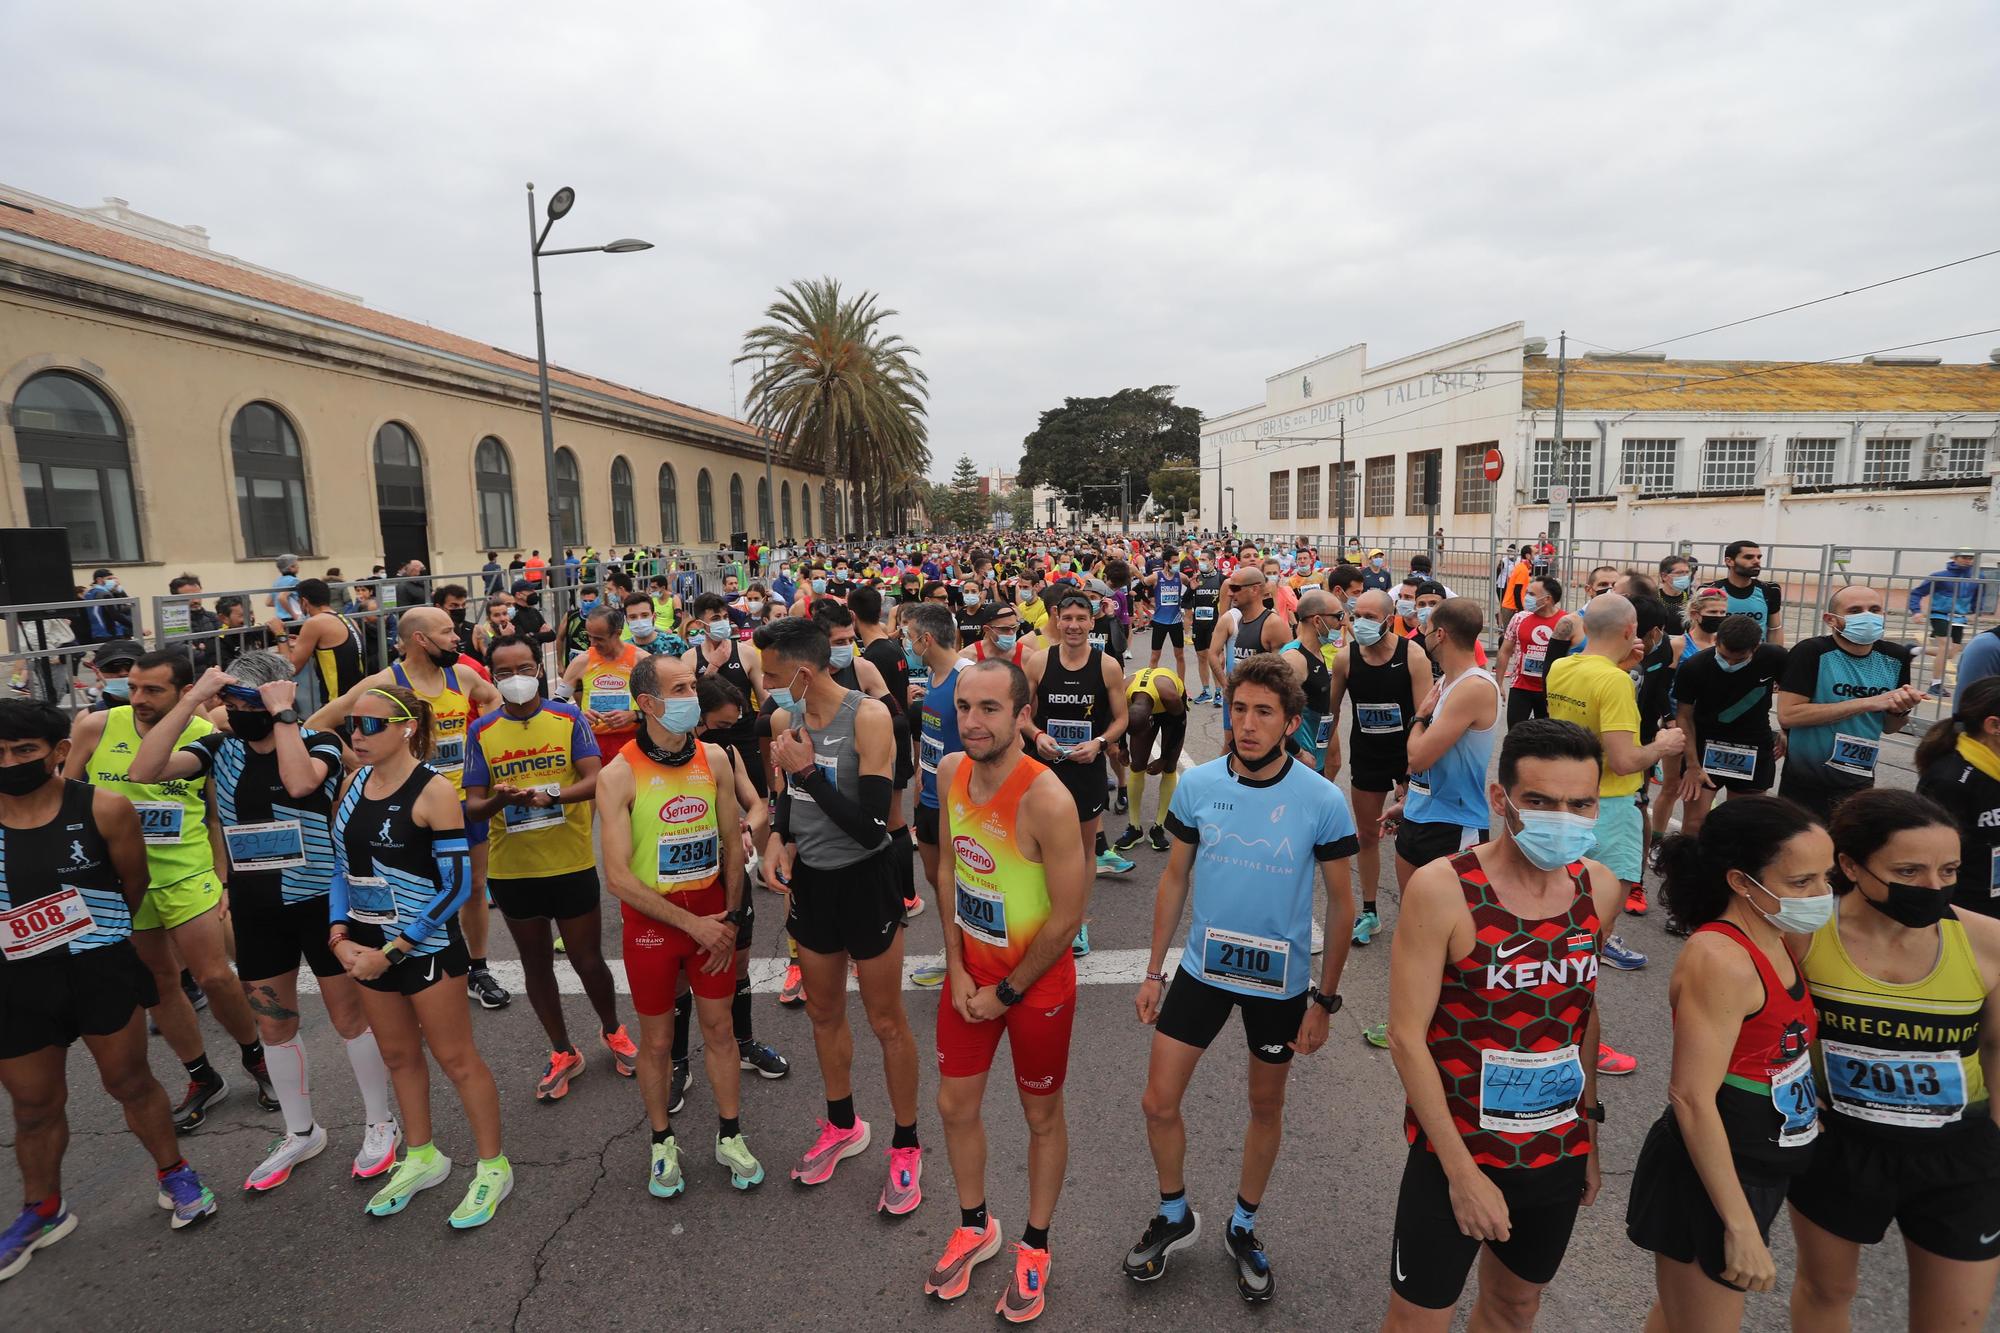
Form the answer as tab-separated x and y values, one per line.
904	1189
833	1146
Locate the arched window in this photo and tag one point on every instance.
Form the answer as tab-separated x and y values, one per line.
704	508
624	513
735	505
493	477
670	504
569	500
764	510
270	482
399	468
806	508
785	506
76	467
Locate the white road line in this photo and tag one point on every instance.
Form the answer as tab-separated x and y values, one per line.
1109	967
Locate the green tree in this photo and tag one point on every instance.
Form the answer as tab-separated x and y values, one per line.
1018	505
843	394
968	506
1175	488
1088	445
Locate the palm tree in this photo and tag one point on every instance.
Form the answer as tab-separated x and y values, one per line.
841	394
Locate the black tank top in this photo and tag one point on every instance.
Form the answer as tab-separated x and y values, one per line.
1073	706
743	734
382	840
1249	638
1319	680
1656	684
887	655
1374	691
1205	593
66	853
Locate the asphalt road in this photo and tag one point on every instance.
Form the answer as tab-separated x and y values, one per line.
581	1244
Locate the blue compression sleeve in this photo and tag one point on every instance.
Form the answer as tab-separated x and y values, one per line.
454	864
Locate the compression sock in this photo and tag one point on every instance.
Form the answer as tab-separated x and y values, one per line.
1034	1237
683	1011
730	1126
1174	1207
1245	1216
840	1114
371	1076
739	1012
905	1137
791	948
1135	784
1168	781
973	1219
1102	846
285	1061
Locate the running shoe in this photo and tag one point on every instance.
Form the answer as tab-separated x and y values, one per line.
1215	697
1157	836
831	1147
30	1232
560	946
1366	927
1611	1061
492	1182
664	1180
677	1096
913	907
1148	1259
1376	1034
745	1171
285	1152
904	1189
1936	690
1675	926
1318	940
411	1176
1635	900
1130	838
1254	1279
1618	956
480	984
965	1250
378	1149
792	991
1121	802
930	978
767	1062
182	1192
202	1093
193	991
624	1053
1080	946
267	1095
563	1066
1028	1293
1111	863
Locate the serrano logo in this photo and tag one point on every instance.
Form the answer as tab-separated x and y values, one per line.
683	810
974	856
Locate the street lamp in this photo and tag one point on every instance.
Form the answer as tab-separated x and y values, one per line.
560	204
1231	492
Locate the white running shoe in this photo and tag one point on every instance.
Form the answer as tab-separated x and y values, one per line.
1318	940
378	1150
286	1153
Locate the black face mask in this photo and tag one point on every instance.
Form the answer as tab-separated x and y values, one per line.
443	657
1911	905
251	724
23	779
1710	624
1256	763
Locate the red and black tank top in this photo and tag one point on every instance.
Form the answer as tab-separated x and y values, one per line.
1767	1100
1508	1029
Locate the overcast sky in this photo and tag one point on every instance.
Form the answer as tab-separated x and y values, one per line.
1060	199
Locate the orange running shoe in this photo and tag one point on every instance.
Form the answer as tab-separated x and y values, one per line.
1025	1297
623	1051
1635	901
962	1252
1610	1061
792	993
563	1066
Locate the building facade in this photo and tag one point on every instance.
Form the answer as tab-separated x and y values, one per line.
176	409
1883	454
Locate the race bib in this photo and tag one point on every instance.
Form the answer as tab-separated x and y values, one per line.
277	845
1797	1099
450	755
1720	759
1914	1089
982	913
1170	597
1323	732
1249	961
526	818
1535	663
686	858
1419	785
1379	719
1204	613
610	694
1527	1092
1067	732
1854	754
930	754
44	924
1098	640
160	821
1993	875
370	900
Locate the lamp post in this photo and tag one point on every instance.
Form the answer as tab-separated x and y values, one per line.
1230	491
560	203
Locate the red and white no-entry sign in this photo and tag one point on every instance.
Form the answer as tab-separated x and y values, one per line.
1494	465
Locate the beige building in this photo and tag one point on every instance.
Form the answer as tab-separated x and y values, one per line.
178	409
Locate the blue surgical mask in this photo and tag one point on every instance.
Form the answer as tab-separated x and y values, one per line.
1552	839
1424	615
784	698
1353	605
1368	632
681	715
1378	562
120	688
843	656
911	657
1862	627
1797	916
1529	602
819	585
1406	609
587	603
1727	665
1005	642
720	631
1682	582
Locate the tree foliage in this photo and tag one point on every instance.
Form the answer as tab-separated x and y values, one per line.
1088	444
957	505
1176	488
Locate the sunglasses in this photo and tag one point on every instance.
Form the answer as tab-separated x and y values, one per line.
375	726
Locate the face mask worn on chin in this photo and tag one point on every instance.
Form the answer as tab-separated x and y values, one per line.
516	690
1910	905
21	779
1552	839
1368	632
1256	762
1797	916
251	724
442	657
843	656
1862	627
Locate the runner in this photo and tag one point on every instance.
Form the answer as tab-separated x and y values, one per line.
1320	617
1204	597
1247	626
601	681
330	642
402	869
1383	675
1750	596
930	640
857	672
532	766
1235	820
1958	766
1021	885
75	871
1955	596
274	786
1743	1112
1904	986
673	860
428	665
830	844
1524	649
1169	590
1493	1027
1451	741
1000	637
714	649
1706	612
1724	696
1841	692
1156	708
1079	697
179	914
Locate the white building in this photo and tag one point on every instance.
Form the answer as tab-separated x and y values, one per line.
1886	454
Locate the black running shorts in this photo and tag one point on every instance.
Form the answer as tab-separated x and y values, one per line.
1429	1257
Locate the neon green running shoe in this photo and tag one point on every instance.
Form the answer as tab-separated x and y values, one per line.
927	977
666	1180
492	1182
745	1171
417	1171
1376	1034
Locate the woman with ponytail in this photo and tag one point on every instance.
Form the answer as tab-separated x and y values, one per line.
1958	766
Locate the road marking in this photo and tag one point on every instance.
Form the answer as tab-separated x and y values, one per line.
1107	967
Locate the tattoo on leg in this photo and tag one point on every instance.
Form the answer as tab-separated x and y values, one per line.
263	1001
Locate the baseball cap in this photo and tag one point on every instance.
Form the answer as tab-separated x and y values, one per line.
115	651
1378	551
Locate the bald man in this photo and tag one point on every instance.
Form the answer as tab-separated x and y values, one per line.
1321	616
427	663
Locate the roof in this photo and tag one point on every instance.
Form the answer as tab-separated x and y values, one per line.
57	226
1759	386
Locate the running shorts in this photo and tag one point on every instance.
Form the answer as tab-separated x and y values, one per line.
54	998
656	955
1621	837
1945	1197
1420	844
1194	1013
176	904
1379	767
413	974
1429	1257
271	940
926	824
1671	1214
1162	634
1037	1037
549	897
854	910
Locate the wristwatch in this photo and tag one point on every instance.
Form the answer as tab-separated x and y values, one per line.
1006	994
1595	1111
286	717
1330	1003
737	917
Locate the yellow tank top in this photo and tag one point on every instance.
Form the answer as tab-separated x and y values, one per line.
451	719
172	814
676	842
1147	680
1000	897
607	686
1898	1060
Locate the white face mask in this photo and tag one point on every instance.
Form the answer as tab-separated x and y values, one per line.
518	689
754	607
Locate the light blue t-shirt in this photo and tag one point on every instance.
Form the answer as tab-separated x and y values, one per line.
1257	849
1980	660
1453	790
